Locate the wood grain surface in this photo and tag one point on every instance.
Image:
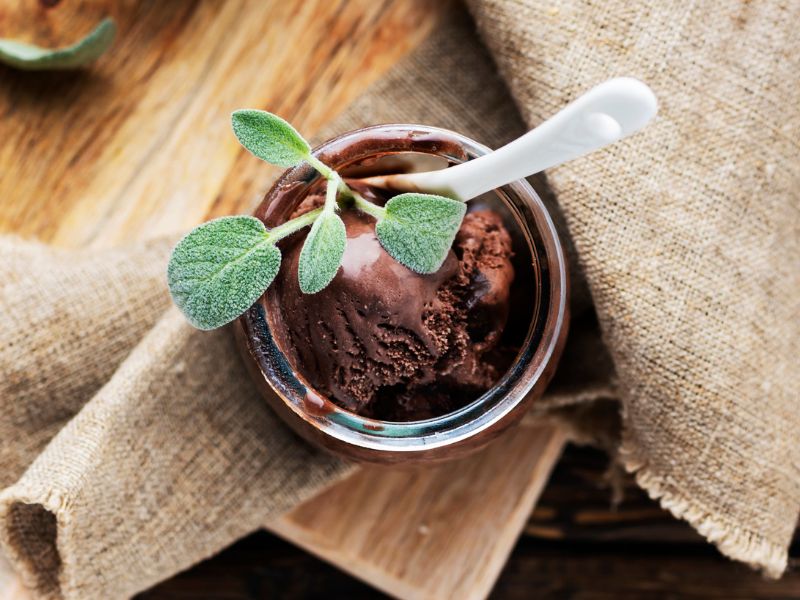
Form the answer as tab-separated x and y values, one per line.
140	144
429	533
577	545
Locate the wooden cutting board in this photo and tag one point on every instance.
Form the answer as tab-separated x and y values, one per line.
139	145
431	533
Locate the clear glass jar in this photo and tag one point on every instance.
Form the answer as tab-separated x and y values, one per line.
539	258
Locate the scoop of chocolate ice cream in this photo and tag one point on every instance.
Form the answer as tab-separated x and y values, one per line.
392	344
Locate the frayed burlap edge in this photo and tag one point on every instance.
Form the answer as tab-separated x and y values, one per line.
730	539
43	519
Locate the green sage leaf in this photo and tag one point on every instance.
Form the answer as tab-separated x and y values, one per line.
322	253
269	137
418	230
220	269
30	57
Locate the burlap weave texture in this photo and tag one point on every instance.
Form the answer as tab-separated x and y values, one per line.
687	235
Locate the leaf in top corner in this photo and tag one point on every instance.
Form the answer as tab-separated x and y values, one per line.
30	57
418	230
269	137
322	253
220	269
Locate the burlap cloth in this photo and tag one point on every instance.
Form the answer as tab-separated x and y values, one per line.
130	454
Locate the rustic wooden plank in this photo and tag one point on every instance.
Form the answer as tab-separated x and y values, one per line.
442	532
604	571
140	143
594	558
581	504
263	566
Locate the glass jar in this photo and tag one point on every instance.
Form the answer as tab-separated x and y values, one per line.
541	271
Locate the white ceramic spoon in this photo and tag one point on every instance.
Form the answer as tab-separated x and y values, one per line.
607	113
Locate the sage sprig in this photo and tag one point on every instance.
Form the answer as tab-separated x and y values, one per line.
270	138
418	229
222	267
324	246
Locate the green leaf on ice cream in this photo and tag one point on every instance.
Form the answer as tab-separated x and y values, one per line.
417	230
222	267
322	253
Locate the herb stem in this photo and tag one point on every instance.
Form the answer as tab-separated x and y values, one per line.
330	194
321	167
368	207
329	174
286	229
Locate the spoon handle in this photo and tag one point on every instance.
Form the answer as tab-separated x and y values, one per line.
606	113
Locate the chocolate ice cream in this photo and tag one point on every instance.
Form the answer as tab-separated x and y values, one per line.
388	343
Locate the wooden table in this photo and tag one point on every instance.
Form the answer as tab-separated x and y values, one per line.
139	145
574	546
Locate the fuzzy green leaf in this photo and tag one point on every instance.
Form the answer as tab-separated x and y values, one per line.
35	58
322	253
417	230
220	269
269	137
